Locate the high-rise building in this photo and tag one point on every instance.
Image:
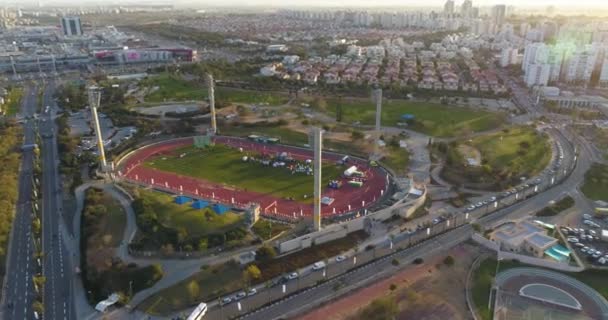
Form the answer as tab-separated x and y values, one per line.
604	73
580	65
508	57
448	8
534	53
498	14
523	28
537	74
466	9
71	26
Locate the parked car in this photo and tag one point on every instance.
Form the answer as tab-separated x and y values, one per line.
340	258
252	292
240	296
226	300
318	265
293	275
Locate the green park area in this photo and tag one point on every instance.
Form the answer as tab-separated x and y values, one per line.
13	101
169	227
102	228
596	182
197	222
176	88
429	118
222	164
505	156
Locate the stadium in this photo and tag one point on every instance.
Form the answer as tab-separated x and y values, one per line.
237	172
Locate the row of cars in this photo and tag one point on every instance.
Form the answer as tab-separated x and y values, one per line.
503	195
320	265
576	237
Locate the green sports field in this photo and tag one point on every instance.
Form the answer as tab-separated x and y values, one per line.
221	164
431	118
175	88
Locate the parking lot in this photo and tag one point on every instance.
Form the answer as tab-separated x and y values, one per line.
589	240
80	125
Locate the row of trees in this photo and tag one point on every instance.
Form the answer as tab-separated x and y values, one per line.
9	170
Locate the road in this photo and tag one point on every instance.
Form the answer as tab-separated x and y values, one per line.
58	286
19	292
295	304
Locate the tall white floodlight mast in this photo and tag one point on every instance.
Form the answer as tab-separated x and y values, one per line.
377	97
94	101
318	145
211	88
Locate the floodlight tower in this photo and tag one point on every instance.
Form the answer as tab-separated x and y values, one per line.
318	146
211	88
377	97
94	101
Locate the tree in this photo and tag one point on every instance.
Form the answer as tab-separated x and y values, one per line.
251	273
265	253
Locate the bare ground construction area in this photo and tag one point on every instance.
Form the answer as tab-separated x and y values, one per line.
433	290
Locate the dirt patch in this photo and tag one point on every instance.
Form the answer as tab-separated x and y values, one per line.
429	291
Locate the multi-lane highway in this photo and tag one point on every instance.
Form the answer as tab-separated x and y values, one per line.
297	303
58	286
19	292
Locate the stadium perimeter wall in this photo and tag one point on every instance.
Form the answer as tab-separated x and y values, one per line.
340	230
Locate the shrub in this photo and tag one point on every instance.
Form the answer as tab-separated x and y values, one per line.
448	261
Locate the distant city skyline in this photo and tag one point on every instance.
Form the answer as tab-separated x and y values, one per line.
331	3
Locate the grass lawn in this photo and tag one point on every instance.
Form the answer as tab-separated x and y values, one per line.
205	285
431	118
287	136
13	101
292	137
222	164
483	279
111	227
397	159
267	229
505	156
172	87
507	151
196	222
596	182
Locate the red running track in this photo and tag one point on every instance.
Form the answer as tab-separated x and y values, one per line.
347	198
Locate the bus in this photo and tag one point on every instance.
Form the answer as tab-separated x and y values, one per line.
199	312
